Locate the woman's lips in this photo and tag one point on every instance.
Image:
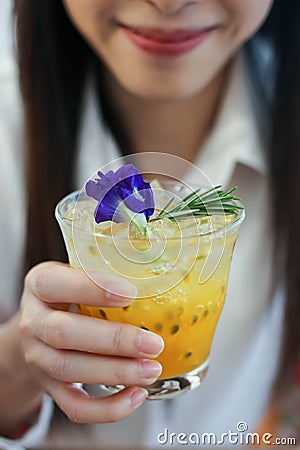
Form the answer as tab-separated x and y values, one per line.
162	43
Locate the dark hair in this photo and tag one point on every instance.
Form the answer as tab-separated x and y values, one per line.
54	62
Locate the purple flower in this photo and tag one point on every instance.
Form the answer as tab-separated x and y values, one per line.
122	196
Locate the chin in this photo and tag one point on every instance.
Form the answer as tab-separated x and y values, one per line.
162	89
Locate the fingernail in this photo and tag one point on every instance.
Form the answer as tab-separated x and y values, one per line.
138	396
120	291
150	369
150	343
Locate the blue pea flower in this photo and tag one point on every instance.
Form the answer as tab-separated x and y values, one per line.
123	196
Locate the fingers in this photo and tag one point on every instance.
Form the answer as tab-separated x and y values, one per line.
64	330
71	366
58	283
60	346
81	408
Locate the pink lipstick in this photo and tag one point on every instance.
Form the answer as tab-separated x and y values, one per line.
167	44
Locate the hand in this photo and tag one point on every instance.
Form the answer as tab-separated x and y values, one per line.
60	346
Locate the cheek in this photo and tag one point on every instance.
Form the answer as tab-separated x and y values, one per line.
79	10
247	16
89	16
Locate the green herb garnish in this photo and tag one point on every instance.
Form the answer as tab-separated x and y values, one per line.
211	202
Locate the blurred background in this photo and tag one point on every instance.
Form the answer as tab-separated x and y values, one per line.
6	41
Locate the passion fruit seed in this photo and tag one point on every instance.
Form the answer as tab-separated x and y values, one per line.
206	312
195	319
188	354
102	314
125	308
174	329
158	327
145	328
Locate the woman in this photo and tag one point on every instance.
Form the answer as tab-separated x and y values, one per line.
170	62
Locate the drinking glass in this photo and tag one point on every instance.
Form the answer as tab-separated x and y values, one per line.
180	270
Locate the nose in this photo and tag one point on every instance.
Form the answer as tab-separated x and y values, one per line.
170	7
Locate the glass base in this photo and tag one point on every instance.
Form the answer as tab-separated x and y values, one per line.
171	387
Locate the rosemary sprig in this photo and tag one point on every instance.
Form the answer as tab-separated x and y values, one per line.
211	202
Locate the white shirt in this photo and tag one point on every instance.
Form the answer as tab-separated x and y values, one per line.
246	345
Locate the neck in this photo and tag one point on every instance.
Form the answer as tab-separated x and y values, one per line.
178	127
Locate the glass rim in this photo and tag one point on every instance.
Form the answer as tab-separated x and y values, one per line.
230	227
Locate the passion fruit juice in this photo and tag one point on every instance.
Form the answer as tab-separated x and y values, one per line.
180	273
185	317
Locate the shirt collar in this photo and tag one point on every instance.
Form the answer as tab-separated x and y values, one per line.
235	137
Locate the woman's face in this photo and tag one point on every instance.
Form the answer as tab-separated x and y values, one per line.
166	49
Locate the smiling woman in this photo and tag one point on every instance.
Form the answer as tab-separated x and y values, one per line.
166	41
104	78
